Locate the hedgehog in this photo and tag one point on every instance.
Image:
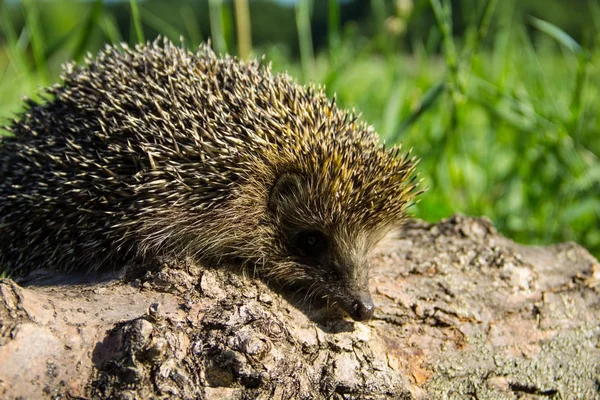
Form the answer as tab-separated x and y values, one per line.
157	151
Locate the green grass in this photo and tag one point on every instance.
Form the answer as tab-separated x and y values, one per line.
505	117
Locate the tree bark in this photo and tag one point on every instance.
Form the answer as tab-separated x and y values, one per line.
461	313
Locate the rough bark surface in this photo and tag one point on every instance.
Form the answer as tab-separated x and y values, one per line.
461	313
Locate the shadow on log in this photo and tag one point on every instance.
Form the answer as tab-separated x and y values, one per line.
461	313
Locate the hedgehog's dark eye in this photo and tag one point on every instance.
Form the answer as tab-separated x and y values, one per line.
311	243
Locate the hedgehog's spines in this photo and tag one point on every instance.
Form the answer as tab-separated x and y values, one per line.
155	149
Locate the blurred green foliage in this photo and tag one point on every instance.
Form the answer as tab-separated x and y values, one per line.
500	99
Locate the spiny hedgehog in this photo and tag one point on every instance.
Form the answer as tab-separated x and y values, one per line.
157	151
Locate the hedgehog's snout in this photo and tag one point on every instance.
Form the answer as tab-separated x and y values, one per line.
361	307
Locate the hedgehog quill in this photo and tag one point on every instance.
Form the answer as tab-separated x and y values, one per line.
157	151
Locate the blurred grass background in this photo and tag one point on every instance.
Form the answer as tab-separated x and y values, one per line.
500	99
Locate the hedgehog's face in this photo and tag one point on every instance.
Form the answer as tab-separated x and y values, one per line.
330	261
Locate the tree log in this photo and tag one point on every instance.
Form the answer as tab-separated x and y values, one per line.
462	312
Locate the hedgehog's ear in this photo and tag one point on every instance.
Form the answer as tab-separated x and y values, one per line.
289	189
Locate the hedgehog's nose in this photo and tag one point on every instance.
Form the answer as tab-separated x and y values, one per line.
362	309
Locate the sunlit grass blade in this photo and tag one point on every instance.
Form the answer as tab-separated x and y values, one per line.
483	25
191	25
61	42
427	102
12	39
110	29
443	18
333	24
243	28
379	15
137	21
36	38
538	76
557	34
576	106
307	57
583	58
228	22
160	25
482	90
90	24
517	121
217	33
391	112
484	21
